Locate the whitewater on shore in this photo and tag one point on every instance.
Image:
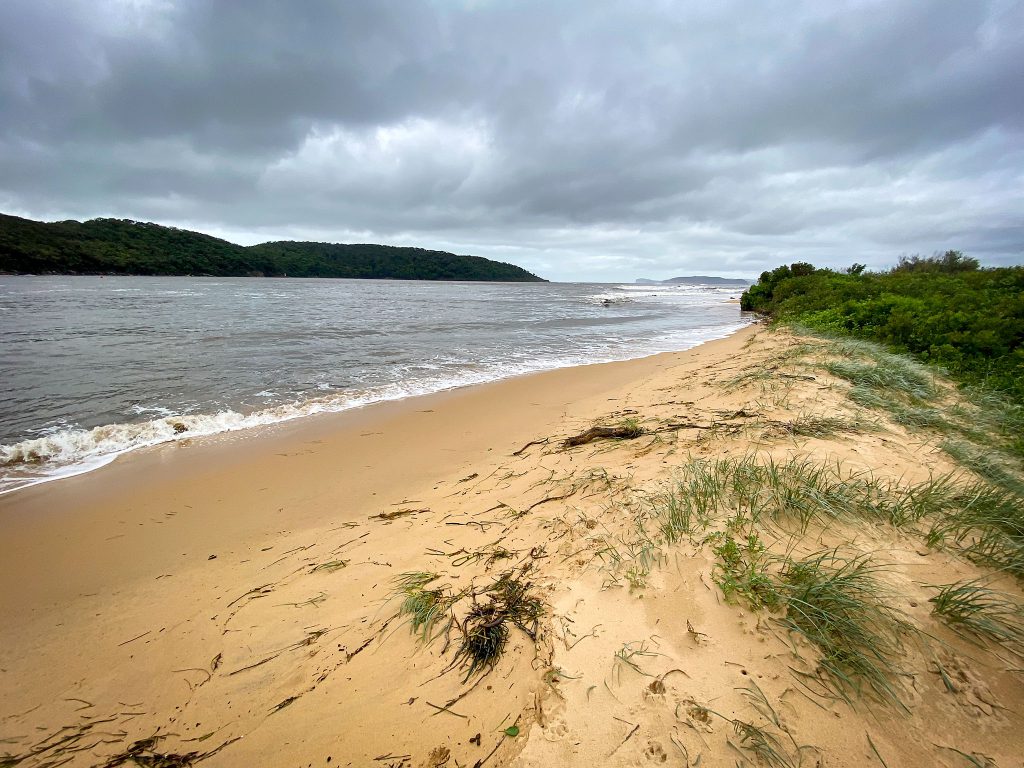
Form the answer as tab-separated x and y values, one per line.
99	366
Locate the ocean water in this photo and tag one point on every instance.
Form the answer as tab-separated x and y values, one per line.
92	367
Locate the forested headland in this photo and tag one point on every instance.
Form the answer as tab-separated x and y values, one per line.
945	310
125	247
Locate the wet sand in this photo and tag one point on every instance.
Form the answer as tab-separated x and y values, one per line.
181	502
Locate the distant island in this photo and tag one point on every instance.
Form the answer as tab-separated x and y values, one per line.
126	247
694	280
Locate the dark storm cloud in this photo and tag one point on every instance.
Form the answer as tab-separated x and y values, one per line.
588	140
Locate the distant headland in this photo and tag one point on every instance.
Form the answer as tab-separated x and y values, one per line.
126	247
695	280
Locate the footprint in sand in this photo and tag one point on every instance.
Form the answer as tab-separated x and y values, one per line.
551	710
438	757
970	690
699	717
655	753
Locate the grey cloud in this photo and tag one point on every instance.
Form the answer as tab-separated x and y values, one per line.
585	140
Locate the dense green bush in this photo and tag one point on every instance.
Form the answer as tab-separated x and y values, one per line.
945	310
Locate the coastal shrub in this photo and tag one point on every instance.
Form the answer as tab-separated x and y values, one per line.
944	310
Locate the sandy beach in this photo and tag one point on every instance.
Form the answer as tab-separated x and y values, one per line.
237	600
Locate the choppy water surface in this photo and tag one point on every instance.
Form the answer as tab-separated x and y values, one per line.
94	366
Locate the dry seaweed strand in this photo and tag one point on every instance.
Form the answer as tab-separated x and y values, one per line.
143	753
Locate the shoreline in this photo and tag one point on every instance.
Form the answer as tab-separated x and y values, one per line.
291	412
228	458
239	603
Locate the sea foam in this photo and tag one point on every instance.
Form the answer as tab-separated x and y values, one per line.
73	451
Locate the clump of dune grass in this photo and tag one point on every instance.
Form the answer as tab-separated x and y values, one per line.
982	613
936	496
883	380
984	523
693	500
892	374
764	742
424	607
764	745
797	490
678	515
909	390
984	519
797	351
989	425
802	491
636	575
986	464
914	415
983	431
631	557
812	425
754	374
704	490
872	366
629	655
994	413
837	605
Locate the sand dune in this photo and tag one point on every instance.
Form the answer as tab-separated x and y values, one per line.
239	602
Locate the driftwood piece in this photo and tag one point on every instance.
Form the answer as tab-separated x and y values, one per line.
532	442
598	433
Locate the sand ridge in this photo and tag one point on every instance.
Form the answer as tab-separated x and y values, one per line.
278	639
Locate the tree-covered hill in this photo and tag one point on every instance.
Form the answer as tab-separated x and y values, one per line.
945	310
125	247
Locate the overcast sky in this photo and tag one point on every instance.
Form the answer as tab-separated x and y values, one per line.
582	140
